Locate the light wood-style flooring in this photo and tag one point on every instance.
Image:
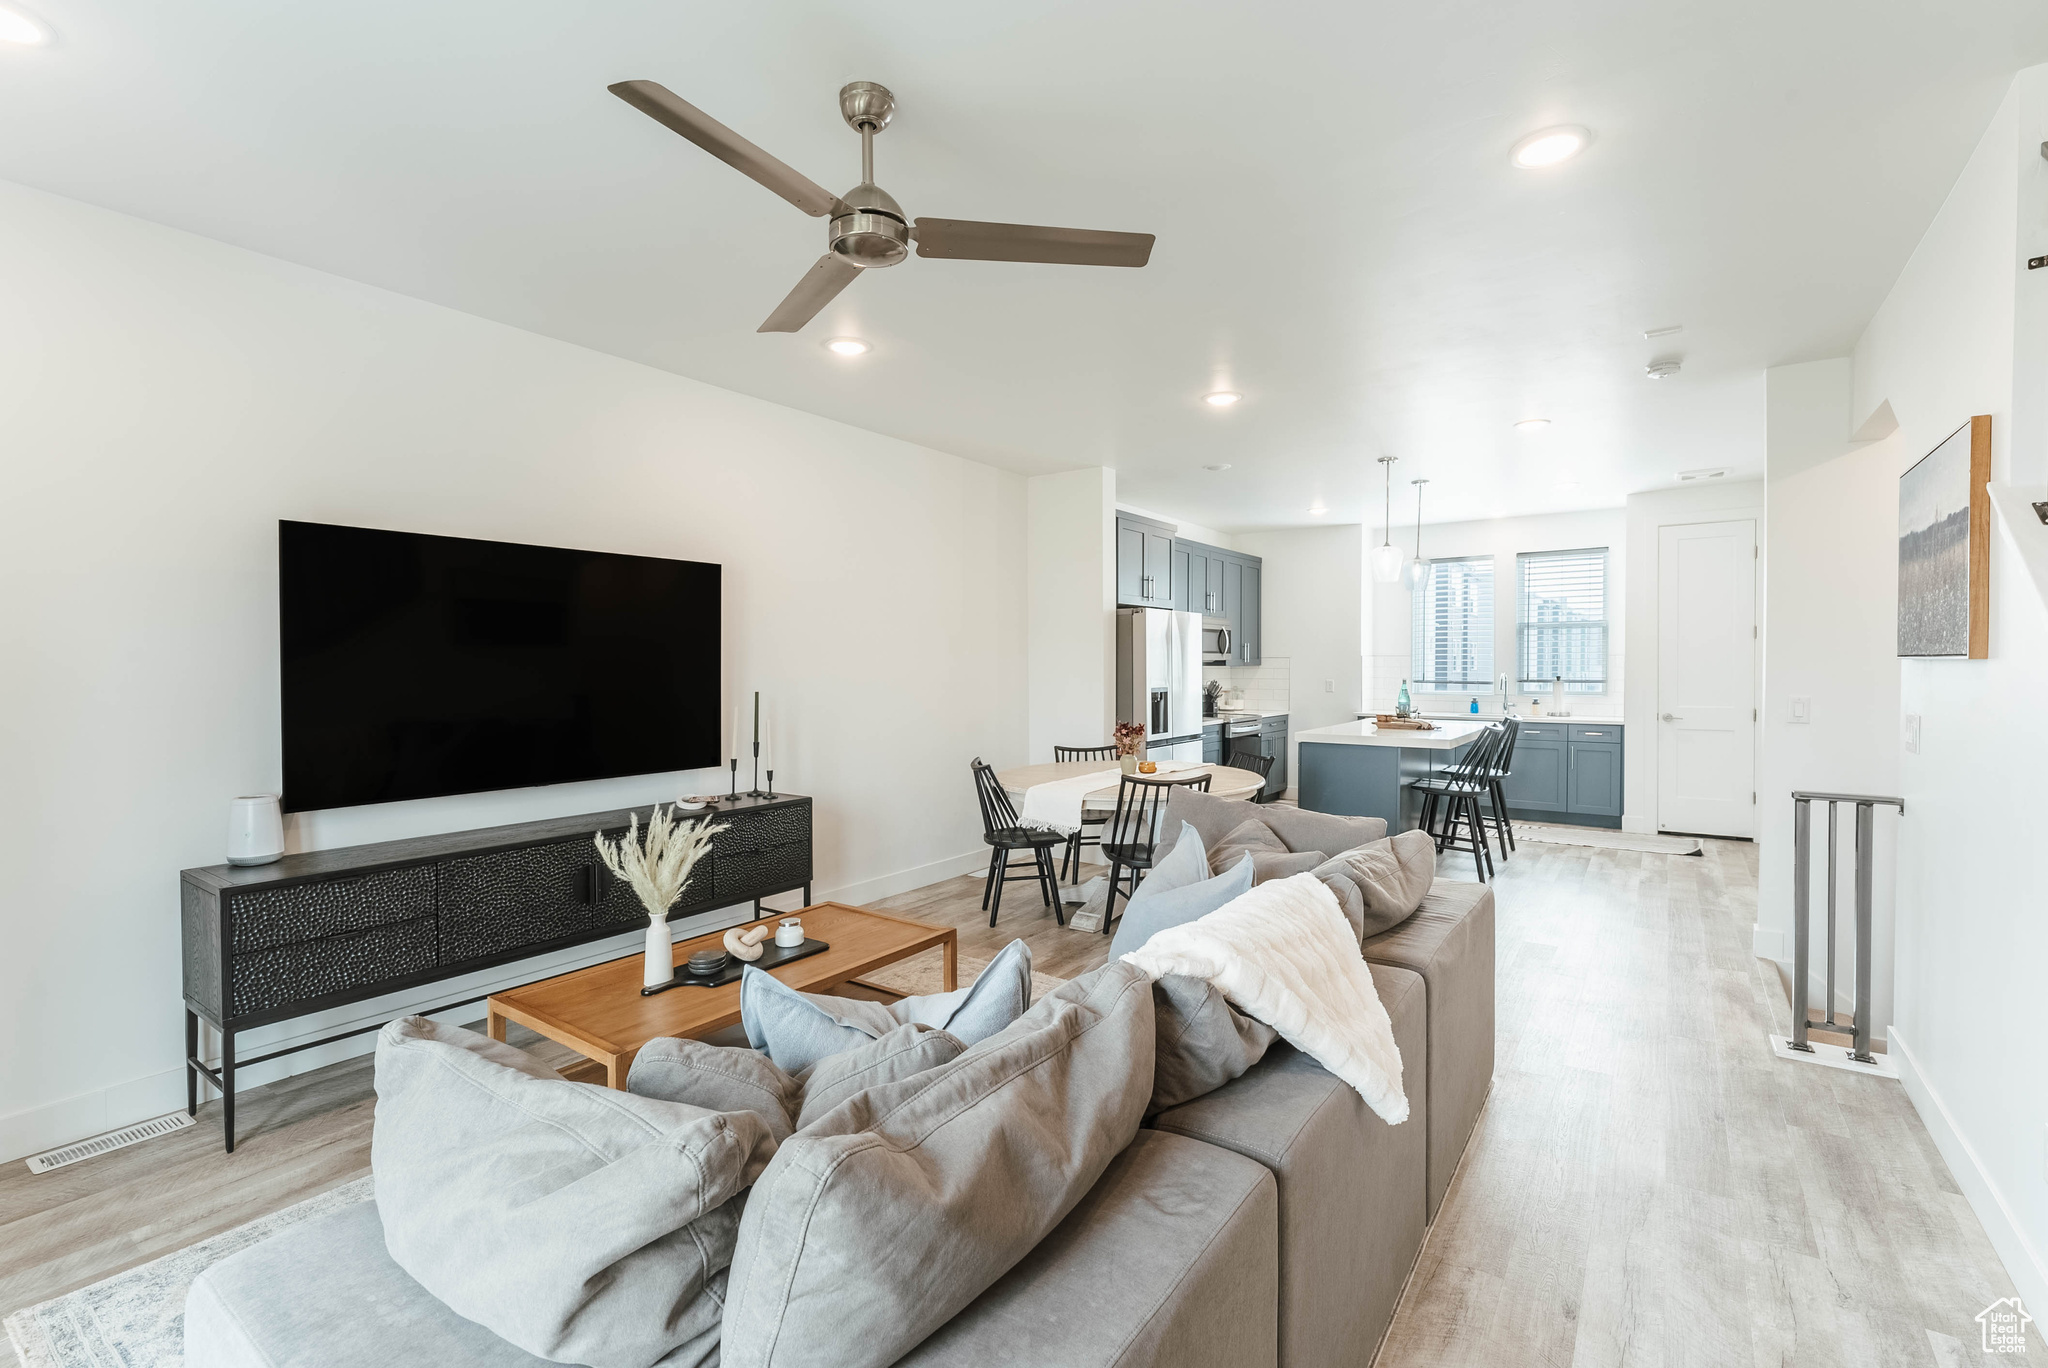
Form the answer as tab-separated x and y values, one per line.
1649	1186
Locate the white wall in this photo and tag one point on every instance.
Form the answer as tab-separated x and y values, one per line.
165	399
1391	629
1964	332
1830	634
1648	514
1072	594
1312	616
1192	531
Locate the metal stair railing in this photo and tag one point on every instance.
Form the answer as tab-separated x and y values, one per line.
1802	915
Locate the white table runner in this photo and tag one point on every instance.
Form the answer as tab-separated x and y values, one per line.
1057	806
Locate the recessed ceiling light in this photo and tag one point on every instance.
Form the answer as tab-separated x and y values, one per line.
1706	473
1532	425
1317	510
1550	146
1221	465
1664	332
16	27
1661	370
1222	398
847	346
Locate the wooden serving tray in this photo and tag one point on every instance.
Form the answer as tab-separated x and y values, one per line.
1389	722
771	955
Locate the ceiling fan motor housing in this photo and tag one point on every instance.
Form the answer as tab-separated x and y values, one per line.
874	233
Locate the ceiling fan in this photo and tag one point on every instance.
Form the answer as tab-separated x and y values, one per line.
867	227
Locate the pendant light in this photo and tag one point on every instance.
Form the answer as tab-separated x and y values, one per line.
1386	557
1418	569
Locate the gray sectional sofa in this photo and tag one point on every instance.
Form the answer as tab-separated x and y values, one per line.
1273	1221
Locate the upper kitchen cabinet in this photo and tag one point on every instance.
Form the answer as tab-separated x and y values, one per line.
1144	563
1245	635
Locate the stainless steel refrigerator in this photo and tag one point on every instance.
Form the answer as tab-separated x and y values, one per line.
1159	679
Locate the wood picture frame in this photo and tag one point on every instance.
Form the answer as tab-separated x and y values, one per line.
1944	610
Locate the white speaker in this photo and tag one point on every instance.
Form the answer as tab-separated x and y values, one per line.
255	830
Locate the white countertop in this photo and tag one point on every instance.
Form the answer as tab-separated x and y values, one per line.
1588	719
1447	736
1243	713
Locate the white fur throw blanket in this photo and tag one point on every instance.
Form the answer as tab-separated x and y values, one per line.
1284	954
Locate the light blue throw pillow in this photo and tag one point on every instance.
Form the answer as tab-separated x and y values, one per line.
1179	890
796	1030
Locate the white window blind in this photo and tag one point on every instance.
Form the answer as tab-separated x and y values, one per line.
1561	619
1452	648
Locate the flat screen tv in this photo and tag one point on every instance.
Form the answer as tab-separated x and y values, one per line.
417	666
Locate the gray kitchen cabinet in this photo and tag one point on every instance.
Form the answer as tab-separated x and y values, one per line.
1212	743
1594	783
1273	742
1572	769
1212	599
1250	613
1194	571
1233	599
1144	563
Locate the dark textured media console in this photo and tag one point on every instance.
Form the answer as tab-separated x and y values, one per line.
266	943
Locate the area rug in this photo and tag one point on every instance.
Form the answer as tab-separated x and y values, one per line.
136	1319
925	973
1607	840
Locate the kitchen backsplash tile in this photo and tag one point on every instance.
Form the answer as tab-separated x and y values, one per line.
1266	687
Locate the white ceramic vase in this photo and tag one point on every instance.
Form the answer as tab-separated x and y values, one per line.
661	955
255	830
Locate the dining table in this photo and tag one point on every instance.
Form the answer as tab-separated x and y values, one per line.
1225	781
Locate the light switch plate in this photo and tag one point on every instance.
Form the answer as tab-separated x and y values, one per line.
1329	686
1912	733
1802	709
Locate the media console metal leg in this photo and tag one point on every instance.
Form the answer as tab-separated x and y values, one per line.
1802	870
227	1087
191	1053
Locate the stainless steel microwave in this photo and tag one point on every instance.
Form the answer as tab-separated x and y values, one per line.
1216	644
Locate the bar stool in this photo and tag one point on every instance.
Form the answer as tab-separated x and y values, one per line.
1503	765
1456	796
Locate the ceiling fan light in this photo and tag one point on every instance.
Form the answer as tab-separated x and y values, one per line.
1221	398
847	346
1528	425
1549	146
18	29
1386	563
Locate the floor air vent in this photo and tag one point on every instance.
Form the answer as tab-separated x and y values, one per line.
112	1140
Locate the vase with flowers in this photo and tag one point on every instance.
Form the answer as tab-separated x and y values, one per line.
658	867
1130	745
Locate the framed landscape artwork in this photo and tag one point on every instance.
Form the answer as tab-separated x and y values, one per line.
1945	548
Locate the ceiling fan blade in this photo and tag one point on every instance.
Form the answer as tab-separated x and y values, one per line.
660	103
967	240
819	287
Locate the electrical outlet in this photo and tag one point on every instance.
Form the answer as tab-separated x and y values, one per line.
1329	686
1802	709
1912	733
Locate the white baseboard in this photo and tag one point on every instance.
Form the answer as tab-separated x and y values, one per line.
2023	1263
1640	826
94	1112
1767	943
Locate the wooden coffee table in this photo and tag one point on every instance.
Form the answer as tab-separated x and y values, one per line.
599	1013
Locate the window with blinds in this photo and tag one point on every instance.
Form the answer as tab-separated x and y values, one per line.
1561	619
1452	647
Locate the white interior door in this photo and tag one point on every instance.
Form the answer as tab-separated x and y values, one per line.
1706	678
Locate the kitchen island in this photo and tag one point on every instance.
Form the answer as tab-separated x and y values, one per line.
1356	770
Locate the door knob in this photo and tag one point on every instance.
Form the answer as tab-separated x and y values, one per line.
1670	718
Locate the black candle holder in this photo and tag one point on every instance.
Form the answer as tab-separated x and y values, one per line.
771	783
734	796
755	791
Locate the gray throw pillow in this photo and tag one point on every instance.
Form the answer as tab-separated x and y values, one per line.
882	1220
1302	829
1380	885
733	1078
796	1030
1202	1043
578	1223
1271	859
